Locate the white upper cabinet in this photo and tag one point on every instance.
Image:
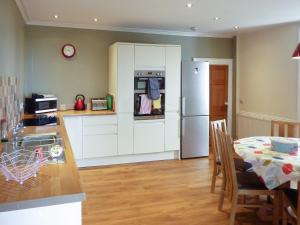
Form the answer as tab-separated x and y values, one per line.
173	71
150	57
121	76
125	78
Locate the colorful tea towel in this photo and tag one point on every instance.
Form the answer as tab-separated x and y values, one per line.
157	103
153	88
146	104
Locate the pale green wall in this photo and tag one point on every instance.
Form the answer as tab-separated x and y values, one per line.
268	76
11	41
87	73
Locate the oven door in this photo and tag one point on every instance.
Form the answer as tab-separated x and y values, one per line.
156	113
140	83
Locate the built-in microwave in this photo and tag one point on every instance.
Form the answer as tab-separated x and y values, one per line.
40	105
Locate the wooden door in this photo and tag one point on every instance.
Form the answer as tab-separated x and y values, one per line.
218	92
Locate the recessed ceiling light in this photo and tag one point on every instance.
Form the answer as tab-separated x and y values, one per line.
236	27
217	18
55	16
189	5
95	19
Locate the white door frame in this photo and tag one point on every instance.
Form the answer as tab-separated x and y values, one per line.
228	62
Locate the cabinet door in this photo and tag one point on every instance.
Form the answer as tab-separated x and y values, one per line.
150	56
125	133
125	78
74	129
99	120
172	131
149	137
99	145
173	71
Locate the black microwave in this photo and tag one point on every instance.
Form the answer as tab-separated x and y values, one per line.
40	105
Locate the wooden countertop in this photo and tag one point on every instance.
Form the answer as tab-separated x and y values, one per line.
86	113
55	183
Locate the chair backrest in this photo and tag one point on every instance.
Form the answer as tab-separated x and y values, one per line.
226	152
214	126
285	129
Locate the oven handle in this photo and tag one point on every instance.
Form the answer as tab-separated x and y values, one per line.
147	78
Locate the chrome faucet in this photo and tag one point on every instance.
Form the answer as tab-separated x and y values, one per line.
16	131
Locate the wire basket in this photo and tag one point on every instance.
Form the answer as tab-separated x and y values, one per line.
21	164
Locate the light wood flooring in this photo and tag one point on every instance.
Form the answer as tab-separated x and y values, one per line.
155	193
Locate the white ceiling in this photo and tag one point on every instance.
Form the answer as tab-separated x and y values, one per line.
161	16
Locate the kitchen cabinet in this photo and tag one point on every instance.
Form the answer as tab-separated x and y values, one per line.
172	131
149	57
99	136
125	133
73	126
99	145
149	136
173	77
121	76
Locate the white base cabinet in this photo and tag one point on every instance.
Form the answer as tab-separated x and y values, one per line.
149	136
125	133
73	126
172	131
99	136
99	145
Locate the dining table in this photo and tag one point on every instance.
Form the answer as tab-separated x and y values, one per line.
272	167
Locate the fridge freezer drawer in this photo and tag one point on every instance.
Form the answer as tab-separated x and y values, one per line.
195	137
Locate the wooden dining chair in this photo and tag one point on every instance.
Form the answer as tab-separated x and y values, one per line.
217	171
285	129
291	207
243	183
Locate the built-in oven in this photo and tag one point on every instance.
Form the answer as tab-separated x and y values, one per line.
157	108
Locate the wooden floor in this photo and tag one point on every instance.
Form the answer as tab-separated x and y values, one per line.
156	193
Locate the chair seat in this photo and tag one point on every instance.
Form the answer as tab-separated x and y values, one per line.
292	195
249	180
241	165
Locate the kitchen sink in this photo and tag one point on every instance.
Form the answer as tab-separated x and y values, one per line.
38	139
45	142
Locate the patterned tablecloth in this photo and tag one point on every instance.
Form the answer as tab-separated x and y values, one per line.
273	168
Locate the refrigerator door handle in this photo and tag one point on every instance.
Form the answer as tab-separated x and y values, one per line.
183	105
183	128
179	130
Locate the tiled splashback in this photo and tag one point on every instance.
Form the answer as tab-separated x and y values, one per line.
9	101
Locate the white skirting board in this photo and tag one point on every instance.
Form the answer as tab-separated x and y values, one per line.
128	159
254	124
63	214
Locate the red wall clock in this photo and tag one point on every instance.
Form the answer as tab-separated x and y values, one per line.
68	50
